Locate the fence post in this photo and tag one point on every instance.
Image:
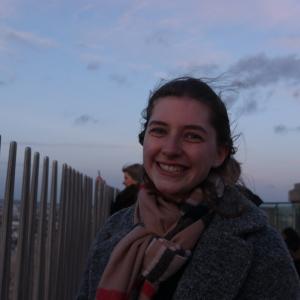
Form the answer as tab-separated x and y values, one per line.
51	258
78	239
41	237
61	230
71	235
6	228
21	259
81	234
96	207
32	225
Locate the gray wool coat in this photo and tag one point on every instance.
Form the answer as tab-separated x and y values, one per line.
236	258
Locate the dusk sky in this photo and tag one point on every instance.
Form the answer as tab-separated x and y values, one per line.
75	77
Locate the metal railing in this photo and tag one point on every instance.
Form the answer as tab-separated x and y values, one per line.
283	214
53	236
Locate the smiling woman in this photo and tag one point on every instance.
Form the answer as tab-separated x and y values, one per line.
192	233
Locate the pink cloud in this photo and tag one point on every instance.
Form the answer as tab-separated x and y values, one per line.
257	12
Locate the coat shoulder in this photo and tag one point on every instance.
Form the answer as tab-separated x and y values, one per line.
119	221
272	274
117	226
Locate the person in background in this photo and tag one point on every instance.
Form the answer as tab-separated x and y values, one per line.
191	234
133	176
292	240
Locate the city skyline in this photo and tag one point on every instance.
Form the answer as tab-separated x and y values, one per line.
75	77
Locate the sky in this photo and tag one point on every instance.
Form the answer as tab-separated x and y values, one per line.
75	77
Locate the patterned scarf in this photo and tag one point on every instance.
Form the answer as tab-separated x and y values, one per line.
157	247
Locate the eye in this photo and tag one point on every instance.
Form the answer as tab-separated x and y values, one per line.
193	137
157	131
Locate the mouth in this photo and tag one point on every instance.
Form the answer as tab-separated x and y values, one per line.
171	168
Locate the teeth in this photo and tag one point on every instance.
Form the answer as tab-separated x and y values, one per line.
171	169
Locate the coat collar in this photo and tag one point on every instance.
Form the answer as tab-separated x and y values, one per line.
247	217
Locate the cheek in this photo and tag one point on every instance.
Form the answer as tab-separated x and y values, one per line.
147	150
146	158
203	158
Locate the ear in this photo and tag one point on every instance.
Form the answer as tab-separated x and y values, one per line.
221	154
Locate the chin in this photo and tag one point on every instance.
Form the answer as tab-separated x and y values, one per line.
172	193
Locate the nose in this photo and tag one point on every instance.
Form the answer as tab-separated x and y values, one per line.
171	147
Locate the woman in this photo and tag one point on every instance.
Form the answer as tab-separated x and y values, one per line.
133	175
192	234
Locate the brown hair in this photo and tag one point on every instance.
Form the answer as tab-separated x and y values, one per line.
135	171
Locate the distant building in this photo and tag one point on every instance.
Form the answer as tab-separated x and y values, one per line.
294	194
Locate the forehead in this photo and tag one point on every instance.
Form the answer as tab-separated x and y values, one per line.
180	110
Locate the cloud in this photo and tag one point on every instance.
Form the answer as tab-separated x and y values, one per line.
257	14
118	78
93	62
249	106
282	129
260	70
93	65
160	38
85	119
6	77
255	77
27	38
229	100
296	93
246	80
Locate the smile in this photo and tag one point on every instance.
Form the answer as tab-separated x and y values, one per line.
174	169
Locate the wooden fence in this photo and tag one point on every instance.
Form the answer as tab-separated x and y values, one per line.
54	235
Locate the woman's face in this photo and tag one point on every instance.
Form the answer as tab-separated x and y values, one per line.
128	180
180	146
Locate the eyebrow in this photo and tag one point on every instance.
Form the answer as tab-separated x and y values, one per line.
196	127
191	126
158	123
